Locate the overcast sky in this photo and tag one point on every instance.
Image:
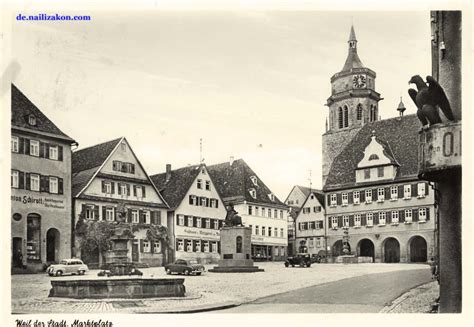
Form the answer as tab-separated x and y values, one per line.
251	84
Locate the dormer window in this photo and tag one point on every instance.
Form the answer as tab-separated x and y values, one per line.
373	157
271	196
123	146
254	180
32	120
253	193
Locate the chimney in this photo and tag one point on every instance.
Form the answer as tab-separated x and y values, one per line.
231	161
168	172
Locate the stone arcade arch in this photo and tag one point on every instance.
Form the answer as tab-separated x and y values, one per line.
418	249
391	250
366	248
337	248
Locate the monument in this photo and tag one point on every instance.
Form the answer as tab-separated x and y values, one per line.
235	245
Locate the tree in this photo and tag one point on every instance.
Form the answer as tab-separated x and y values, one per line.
159	234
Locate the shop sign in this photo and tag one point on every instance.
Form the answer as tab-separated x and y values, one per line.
38	201
200	232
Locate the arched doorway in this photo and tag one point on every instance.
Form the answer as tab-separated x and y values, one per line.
418	249
367	249
52	245
337	248
391	250
17	252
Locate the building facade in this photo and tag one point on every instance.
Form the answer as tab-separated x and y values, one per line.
352	104
196	213
110	183
371	182
40	187
259	208
294	201
310	225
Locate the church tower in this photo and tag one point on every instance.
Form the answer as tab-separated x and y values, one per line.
352	104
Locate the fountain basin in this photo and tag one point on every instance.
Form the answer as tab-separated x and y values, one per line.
129	288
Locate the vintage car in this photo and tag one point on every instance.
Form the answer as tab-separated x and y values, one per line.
187	267
300	259
67	266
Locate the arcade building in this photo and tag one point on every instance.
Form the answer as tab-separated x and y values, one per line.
40	187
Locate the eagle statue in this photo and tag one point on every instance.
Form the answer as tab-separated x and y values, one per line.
428	98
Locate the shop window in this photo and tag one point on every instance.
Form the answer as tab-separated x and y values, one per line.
33	238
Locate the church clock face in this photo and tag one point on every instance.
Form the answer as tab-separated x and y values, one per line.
359	81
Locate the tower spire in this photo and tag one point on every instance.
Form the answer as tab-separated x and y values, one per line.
353	60
352	35
401	107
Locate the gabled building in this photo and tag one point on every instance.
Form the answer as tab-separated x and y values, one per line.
294	201
373	191
196	213
310	224
259	208
40	186
108	178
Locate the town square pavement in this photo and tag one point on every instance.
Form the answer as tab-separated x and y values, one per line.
217	291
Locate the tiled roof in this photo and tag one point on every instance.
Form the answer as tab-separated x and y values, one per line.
399	135
304	189
22	107
234	182
175	188
85	163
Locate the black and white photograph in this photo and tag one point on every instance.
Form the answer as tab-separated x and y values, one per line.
234	158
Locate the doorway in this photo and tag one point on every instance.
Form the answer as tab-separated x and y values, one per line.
391	250
418	249
52	245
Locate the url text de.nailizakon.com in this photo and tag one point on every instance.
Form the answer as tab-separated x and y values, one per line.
55	17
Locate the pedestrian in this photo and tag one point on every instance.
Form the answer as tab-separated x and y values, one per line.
434	268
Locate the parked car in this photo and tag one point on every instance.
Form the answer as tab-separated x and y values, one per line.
67	266
300	259
187	267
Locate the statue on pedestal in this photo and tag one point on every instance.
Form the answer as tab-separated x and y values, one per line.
232	218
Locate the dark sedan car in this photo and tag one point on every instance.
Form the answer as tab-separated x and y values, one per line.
300	259
187	267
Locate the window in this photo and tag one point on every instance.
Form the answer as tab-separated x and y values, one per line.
180	245
357	220
89	212
275	213
380	171
189	246
282	234
340	118
197	246
138	191
311	243
135	219
203	201
356	197
254	180
306	210
281	214
263	230
108	187
367	173
277	251
256	211
382	218
394	192
32	120
15	179
269	213
344	198
198	222
109	214
368	196
53	185
208	185
214	247
206	246
190	221
156	247
345	220
408	215
422	214
147	216
421	190
334	222
15	144
394	217
253	193
34	148
359	112
123	189
250	210
370	219
34	182
333	199
380	194
193	200
53	152
146	246
271	196
373	157
269	231
318	242
346	116
263	212
199	184
208	223
216	224
407	191
180	220
257	232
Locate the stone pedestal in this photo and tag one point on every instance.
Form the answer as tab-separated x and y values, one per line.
236	250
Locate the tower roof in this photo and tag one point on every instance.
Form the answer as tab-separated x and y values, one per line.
353	60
